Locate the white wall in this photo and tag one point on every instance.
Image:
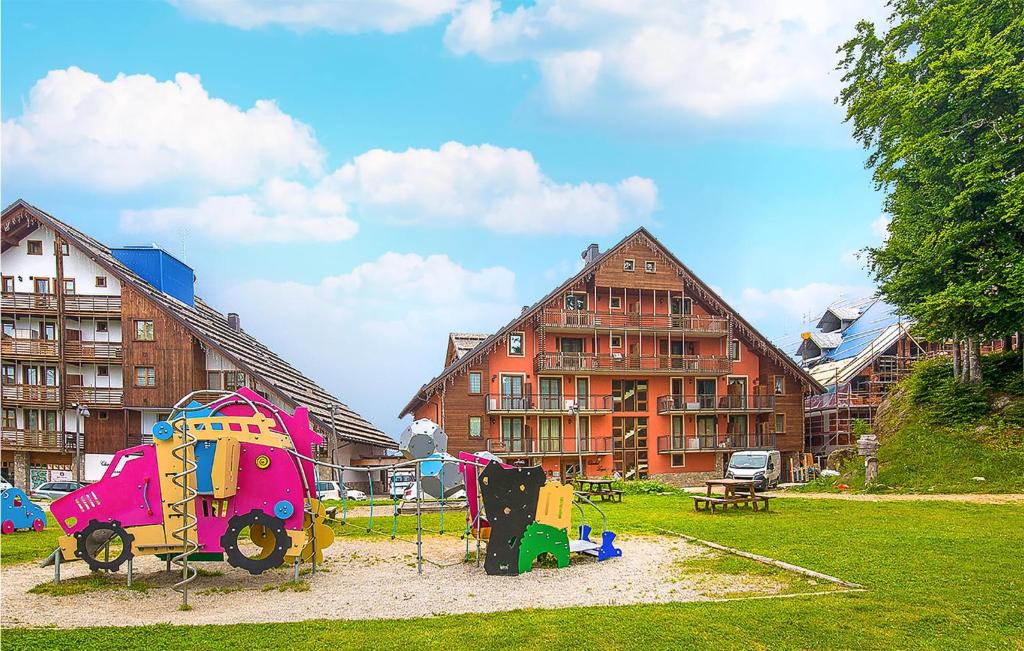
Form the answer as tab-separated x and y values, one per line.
87	326
17	263
114	379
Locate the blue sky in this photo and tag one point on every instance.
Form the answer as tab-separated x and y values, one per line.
295	154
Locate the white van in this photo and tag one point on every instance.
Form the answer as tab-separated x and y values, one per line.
400	481
762	465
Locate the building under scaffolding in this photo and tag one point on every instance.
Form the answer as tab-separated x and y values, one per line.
857	352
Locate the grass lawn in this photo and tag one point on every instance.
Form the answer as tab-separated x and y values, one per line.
940	575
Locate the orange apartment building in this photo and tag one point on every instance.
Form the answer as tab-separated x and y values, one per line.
660	377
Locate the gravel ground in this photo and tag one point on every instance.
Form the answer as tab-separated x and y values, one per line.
374	579
974	498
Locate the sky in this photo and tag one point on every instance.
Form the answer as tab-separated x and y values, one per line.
357	180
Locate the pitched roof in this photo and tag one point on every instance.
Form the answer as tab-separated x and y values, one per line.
877	328
242	349
742	326
465	342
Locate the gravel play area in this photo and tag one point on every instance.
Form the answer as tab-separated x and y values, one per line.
374	578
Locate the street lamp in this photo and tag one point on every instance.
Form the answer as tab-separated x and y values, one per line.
81	411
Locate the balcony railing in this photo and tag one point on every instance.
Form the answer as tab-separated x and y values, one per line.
551	446
95	396
624	363
693	324
103	351
709	403
25	347
511	447
92	304
24	301
30	393
501	404
41	441
706	442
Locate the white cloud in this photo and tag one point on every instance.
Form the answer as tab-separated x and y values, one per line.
789	304
880	227
500	189
711	59
135	131
384	324
339	16
279	211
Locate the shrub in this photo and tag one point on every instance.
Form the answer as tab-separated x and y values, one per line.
643	487
940	398
1002	372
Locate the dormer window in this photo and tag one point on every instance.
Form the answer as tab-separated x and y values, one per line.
650	266
629	264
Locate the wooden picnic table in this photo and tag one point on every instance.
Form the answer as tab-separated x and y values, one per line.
598	488
735	492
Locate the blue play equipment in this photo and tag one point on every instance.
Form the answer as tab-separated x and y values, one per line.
606	550
18	512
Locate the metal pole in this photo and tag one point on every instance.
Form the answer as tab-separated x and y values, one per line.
56	566
131	574
334	444
579	450
419	523
78	446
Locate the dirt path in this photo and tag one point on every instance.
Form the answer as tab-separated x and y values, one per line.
376	579
973	498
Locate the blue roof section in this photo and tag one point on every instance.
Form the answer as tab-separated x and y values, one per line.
868	326
161	270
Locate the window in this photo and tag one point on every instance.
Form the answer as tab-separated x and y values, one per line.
780	423
8	284
515	344
512	434
9	328
144	330
103	415
145	376
551	393
616	341
475	427
101	326
215	380
102	370
50	376
9	374
69	286
41	285
49	421
49	331
649	266
570	345
780	385
234	380
550	434
678	460
629	445
475	382
615	303
734	350
687	306
585	433
101	281
10	418
629	395
31	420
575	302
35	247
707	431
583	392
629	264
64	248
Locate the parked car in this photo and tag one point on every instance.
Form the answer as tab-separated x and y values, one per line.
52	490
353	494
328	490
399	482
765	466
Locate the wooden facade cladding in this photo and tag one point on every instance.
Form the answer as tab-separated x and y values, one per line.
174	353
459	407
611	273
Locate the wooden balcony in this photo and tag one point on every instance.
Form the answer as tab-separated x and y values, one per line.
94	351
692	325
31	394
27	302
714	442
23	347
95	396
709	404
545	404
92	305
551	447
35	441
704	365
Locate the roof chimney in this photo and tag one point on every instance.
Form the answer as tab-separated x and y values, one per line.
590	253
234	322
526	308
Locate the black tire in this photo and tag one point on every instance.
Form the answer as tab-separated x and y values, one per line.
255	565
95	536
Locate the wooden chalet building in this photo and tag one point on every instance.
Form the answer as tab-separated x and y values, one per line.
662	378
120	333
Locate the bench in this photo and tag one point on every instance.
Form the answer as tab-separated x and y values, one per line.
711	502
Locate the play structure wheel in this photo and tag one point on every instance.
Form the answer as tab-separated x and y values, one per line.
38	524
266	531
7	526
95	537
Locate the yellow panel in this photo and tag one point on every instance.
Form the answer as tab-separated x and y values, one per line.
225	467
169	491
554	505
263	434
68	547
148	536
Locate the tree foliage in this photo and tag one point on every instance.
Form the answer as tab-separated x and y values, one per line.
937	100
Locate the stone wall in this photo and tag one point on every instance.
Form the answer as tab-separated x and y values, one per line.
688	479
